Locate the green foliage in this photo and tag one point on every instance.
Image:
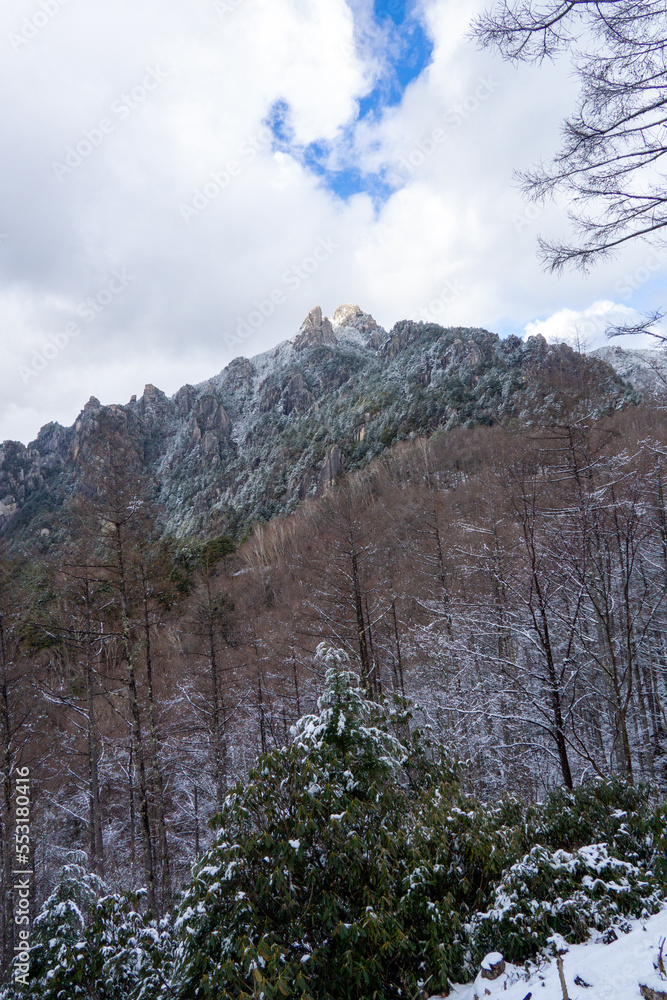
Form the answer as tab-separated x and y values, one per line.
183	561
132	953
314	887
593	857
93	946
472	843
60	956
214	550
568	894
610	812
352	864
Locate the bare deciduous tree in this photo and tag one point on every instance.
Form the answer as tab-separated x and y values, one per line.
610	163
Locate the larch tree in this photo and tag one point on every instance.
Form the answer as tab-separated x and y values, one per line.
119	502
610	165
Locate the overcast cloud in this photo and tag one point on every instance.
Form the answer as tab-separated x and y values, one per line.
182	182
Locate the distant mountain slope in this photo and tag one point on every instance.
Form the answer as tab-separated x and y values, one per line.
269	431
646	370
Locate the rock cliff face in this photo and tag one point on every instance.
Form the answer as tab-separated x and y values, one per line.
269	431
316	331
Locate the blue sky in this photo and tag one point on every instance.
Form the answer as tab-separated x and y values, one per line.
395	35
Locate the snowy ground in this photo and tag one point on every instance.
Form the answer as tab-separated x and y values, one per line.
609	970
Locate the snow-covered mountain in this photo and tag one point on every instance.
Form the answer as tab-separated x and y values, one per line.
266	432
645	369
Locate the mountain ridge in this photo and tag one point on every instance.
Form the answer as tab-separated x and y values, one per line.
644	368
267	432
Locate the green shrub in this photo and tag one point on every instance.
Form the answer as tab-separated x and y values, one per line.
351	864
316	886
472	843
610	812
569	894
60	957
89	945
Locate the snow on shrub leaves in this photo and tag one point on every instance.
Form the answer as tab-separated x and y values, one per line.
610	812
59	958
314	888
87	944
551	892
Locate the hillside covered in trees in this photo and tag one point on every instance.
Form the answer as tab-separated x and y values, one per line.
498	591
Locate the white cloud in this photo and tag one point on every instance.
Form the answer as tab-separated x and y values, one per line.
586	329
456	241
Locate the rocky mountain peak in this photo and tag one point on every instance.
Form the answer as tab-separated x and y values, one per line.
316	331
346	315
349	316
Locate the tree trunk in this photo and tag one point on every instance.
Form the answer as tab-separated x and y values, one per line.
196	804
296	686
158	784
364	658
219	744
442	575
96	842
129	655
399	659
556	704
260	705
133	821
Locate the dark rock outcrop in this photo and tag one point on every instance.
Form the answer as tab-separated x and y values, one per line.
298	396
210	427
316	331
332	467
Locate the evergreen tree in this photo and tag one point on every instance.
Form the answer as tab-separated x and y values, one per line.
313	887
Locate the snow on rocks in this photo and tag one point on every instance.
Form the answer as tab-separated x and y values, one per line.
493	965
654	989
626	969
487	987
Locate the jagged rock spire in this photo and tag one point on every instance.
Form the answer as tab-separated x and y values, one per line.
349	315
316	330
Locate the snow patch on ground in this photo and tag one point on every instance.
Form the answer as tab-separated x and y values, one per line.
608	970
